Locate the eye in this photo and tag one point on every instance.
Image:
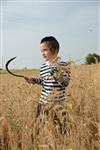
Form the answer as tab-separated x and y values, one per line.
44	50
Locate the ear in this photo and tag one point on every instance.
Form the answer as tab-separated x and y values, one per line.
53	51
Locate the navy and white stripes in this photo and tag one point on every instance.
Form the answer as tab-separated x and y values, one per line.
52	90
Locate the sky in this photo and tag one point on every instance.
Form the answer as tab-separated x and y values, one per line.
23	23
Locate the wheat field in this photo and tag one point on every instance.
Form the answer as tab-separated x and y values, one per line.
72	125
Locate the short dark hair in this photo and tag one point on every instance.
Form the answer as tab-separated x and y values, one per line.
52	43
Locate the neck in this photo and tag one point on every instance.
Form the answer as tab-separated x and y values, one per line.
53	60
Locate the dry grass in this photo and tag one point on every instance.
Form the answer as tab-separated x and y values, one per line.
73	125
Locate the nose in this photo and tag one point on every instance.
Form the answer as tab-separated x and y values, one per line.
43	54
42	51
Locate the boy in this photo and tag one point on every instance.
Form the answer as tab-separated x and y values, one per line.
54	76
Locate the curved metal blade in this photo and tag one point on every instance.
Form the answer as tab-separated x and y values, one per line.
6	66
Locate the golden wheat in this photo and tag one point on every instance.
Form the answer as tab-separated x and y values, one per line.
72	125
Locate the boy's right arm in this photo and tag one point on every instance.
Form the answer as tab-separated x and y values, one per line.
29	80
33	80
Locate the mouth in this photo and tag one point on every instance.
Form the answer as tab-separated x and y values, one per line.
44	56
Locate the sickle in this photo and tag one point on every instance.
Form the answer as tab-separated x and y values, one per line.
6	66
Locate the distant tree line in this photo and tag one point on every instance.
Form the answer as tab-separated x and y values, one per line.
92	58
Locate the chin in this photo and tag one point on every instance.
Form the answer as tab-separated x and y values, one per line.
45	59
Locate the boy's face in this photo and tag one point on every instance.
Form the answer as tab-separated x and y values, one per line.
46	53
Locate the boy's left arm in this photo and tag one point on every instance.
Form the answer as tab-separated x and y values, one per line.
65	78
62	75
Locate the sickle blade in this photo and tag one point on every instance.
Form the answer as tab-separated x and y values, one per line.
6	66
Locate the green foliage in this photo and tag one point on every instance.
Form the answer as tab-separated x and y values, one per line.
92	59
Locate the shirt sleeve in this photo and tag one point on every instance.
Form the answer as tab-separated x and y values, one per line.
66	79
62	74
38	81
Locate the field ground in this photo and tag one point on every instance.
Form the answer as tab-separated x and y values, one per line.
77	123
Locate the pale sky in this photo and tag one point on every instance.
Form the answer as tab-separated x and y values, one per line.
23	23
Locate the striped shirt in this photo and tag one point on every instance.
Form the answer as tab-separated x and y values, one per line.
53	89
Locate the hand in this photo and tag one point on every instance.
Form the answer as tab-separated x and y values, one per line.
29	80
